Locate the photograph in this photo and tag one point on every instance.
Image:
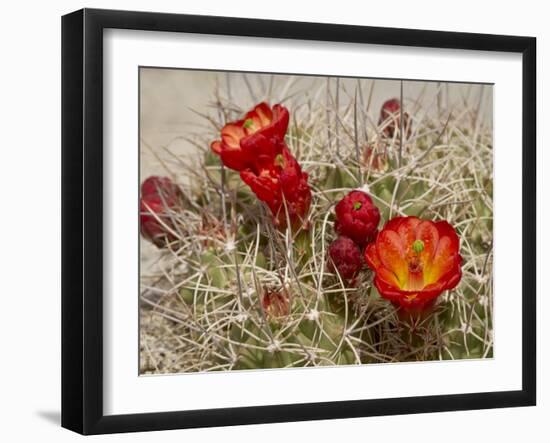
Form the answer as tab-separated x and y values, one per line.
294	221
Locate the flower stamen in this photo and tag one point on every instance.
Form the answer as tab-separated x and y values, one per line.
418	246
280	160
415	265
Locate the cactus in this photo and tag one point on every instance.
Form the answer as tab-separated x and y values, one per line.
235	292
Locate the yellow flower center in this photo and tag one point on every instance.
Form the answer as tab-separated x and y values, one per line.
416	275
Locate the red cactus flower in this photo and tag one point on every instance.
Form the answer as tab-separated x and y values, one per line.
357	217
275	304
159	195
255	140
345	257
414	261
390	118
255	146
283	187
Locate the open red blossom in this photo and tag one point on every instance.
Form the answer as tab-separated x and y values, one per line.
390	119
345	257
159	195
255	140
283	187
414	261
357	217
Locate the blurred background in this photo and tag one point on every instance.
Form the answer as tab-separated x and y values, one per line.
173	102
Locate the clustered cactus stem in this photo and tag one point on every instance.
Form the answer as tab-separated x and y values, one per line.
278	243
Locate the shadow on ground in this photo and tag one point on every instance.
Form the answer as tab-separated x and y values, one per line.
54	417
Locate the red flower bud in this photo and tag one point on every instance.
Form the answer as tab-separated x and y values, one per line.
375	158
357	217
275	304
390	119
159	195
414	261
345	257
154	185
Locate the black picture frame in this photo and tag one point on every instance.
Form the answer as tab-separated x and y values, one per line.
82	220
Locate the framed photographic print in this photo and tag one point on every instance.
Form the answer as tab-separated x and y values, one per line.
273	221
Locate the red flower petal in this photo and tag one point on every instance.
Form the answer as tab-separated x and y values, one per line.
443	261
395	222
388	277
232	135
446	230
407	229
265	187
371	256
254	141
429	235
261	150
233	159
263	113
216	147
392	255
